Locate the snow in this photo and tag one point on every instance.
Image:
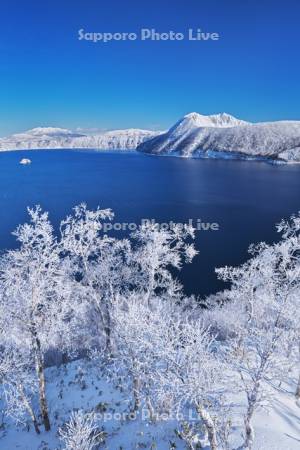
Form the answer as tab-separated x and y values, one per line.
84	388
195	120
80	385
197	135
58	138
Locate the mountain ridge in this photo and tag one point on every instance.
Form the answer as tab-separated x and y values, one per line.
60	138
194	135
227	137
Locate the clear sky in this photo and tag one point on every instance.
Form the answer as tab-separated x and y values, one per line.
49	77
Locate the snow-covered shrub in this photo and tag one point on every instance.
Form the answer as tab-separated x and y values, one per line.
81	432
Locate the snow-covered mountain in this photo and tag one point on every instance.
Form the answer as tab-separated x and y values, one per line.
222	136
58	138
195	135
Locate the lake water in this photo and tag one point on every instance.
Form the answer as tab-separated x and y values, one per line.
246	199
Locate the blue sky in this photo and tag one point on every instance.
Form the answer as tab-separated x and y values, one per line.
49	77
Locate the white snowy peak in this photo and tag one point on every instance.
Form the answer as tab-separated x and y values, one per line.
222	120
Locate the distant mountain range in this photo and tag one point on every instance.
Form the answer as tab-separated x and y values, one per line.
224	136
195	135
59	138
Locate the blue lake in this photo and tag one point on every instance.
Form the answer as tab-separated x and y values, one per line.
245	198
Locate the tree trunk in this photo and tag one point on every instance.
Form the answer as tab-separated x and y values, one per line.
136	395
40	371
209	425
107	329
150	288
252	398
249	431
29	409
297	393
42	394
150	409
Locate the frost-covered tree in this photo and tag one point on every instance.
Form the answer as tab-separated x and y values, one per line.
260	318
154	253
100	265
158	251
108	267
169	357
49	284
139	340
35	298
192	376
18	385
290	245
81	432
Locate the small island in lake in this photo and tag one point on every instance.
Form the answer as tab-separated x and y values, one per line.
25	161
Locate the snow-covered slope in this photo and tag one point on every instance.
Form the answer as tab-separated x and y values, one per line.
57	138
222	135
80	385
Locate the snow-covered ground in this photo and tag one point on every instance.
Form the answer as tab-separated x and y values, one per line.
80	385
196	136
58	138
